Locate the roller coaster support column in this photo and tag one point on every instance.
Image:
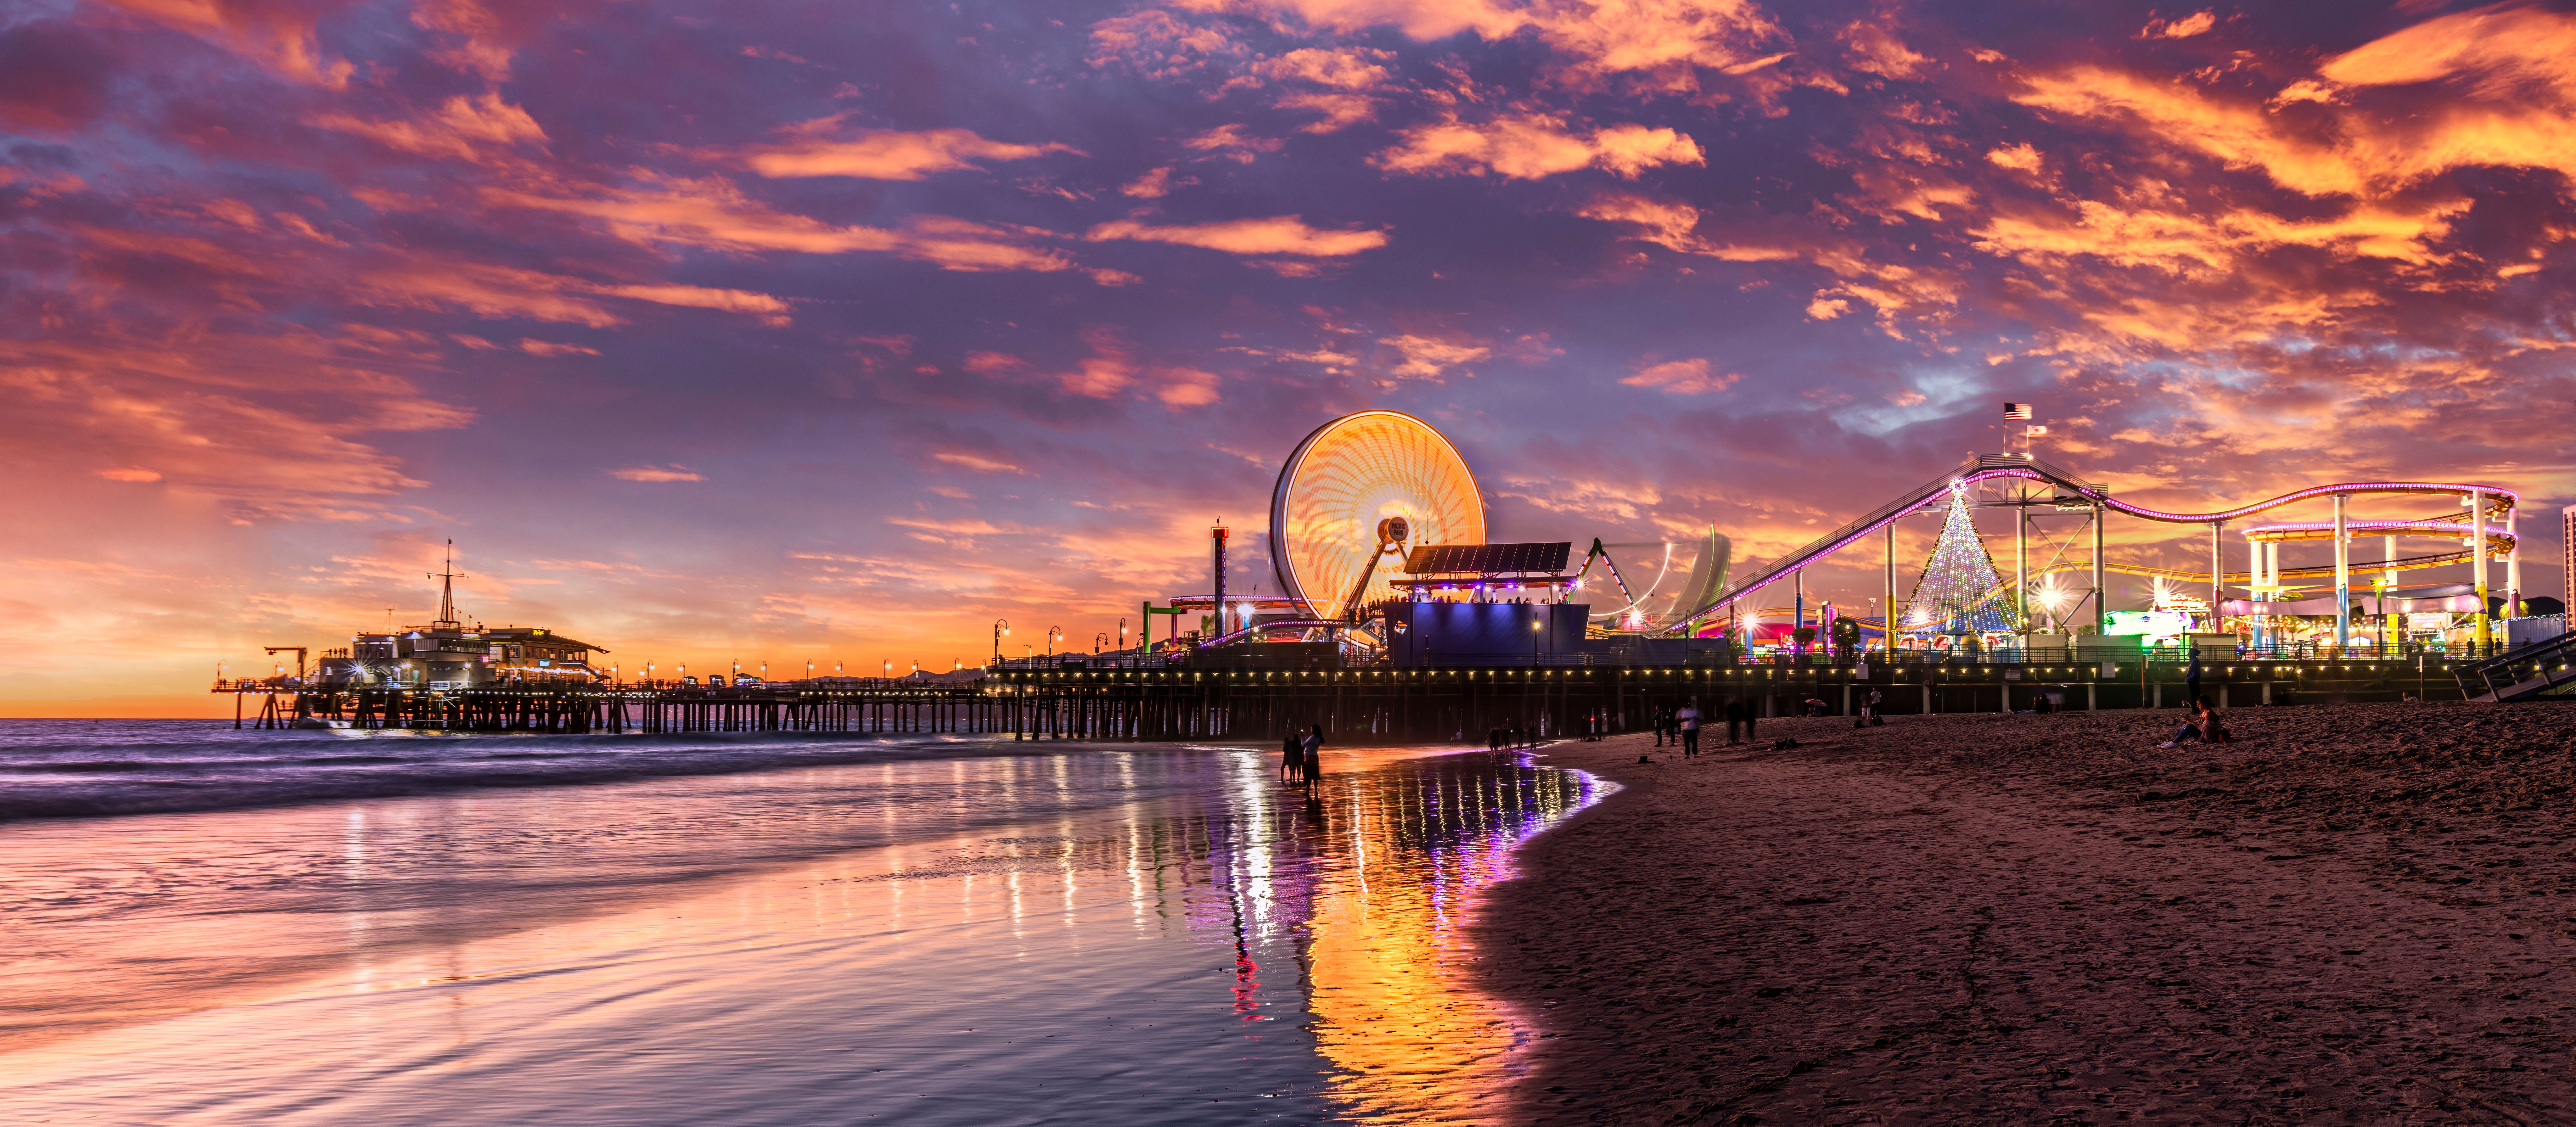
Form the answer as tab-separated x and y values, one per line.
2478	569
2021	566
2512	567
1887	610
2343	578
2101	584
2216	573
2254	579
2389	634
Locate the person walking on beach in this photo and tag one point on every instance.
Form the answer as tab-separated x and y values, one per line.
1314	755
1663	721
1688	720
1734	720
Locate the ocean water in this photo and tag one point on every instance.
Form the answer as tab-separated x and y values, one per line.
755	930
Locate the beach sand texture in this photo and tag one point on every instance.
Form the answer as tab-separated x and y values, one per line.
2355	913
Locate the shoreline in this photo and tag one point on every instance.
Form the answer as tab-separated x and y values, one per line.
2354	908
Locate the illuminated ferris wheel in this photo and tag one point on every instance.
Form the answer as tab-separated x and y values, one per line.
1360	486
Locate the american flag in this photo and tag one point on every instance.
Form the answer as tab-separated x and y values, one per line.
2016	412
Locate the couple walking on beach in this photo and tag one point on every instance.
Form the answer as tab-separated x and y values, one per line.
1301	757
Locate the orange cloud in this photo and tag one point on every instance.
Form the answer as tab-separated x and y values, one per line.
713	213
534	347
1231	142
2184	28
1665	44
1278	234
772	311
1682	377
2019	158
1534	146
673	472
886	154
1343	68
974	461
1429	358
1672	226
279	37
461	128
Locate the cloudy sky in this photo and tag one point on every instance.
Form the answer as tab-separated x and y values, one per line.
837	331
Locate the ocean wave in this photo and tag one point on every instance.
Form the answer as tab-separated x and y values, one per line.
58	769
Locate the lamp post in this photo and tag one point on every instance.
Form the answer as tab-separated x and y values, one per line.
1536	628
1054	634
1122	640
1001	627
648	674
1099	641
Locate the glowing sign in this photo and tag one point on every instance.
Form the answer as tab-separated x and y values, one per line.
2147	623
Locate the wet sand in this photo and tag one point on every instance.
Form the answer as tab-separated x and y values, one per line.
2355	913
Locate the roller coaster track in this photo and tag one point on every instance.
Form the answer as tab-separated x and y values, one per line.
1994	467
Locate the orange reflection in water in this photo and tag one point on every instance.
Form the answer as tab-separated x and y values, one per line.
1394	1007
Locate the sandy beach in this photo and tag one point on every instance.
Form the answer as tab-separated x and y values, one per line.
2354	913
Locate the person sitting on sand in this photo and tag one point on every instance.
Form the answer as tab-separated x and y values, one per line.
2203	726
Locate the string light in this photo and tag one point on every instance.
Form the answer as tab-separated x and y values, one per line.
1955	595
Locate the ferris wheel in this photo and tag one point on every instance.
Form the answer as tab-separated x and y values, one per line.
1357	488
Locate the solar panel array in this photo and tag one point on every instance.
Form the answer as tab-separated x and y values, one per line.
1487	559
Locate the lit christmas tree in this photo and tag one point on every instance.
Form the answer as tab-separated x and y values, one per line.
1960	592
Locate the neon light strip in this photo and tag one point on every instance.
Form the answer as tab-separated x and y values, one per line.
2440	529
2506	499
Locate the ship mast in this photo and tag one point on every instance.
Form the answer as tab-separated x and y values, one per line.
447	592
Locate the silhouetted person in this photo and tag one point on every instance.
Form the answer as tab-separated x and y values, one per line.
1315	755
1734	720
1292	759
1688	720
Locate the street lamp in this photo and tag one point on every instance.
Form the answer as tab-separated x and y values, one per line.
889	667
1054	634
1001	627
1099	641
1535	627
1122	640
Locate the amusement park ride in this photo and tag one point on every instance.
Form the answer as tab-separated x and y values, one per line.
1376	523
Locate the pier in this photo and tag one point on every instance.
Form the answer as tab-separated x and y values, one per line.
1366	705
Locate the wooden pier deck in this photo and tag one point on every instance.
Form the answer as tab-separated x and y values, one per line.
1352	705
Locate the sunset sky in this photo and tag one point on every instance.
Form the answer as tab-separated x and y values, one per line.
805	330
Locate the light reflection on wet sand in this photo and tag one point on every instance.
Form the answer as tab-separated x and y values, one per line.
771	949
